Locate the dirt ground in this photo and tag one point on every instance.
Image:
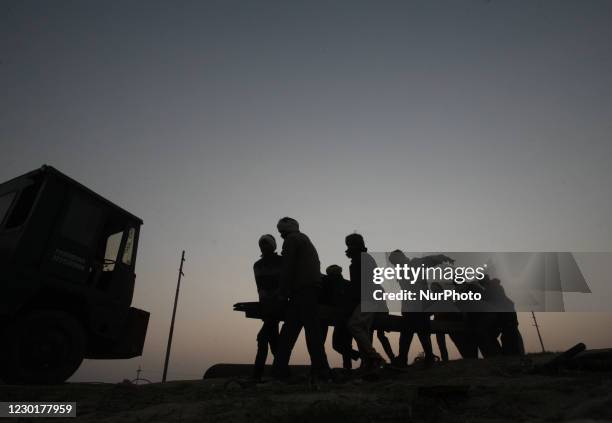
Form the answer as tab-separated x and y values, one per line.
491	390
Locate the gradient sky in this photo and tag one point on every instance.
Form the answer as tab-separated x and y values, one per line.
424	125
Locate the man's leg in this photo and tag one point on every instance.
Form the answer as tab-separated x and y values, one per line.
512	341
308	315
324	331
405	339
382	336
339	339
487	333
467	341
384	341
424	335
488	345
441	340
262	350
274	334
286	341
359	325
342	343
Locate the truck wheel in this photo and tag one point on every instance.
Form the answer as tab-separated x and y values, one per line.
44	347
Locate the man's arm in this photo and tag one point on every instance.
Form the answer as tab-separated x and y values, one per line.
288	269
258	283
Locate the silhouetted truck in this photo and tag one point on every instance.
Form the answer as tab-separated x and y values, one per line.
67	258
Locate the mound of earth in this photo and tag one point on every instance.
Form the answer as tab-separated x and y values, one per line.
490	390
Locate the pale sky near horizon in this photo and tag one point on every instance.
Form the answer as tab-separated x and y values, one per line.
424	125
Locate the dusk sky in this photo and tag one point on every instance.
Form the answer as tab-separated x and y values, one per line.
424	125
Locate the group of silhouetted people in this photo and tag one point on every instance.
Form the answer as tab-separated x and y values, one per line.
292	284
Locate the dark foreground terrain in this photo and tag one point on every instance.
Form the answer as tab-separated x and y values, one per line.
471	391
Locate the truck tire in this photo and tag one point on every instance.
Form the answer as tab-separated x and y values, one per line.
43	347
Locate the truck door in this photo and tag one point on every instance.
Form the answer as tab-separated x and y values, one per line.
72	246
117	279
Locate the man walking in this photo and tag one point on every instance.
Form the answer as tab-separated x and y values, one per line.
415	319
335	292
299	280
267	272
360	322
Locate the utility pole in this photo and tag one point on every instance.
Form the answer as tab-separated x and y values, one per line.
178	286
535	323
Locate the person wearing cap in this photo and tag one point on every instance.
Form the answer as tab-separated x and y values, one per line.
299	281
267	272
360	321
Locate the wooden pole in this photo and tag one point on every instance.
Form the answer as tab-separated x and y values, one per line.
178	286
535	323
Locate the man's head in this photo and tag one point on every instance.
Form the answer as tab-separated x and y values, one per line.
334	270
267	244
397	257
355	245
286	226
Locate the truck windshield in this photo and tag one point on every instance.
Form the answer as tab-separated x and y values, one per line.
113	243
23	205
128	253
113	246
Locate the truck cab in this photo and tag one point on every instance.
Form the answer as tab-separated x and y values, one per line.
67	275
